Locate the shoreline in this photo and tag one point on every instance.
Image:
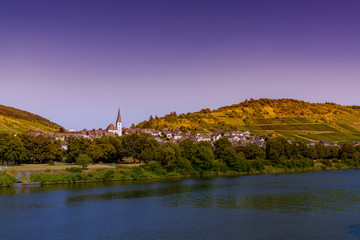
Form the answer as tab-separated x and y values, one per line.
275	172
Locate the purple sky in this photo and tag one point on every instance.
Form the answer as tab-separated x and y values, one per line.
75	62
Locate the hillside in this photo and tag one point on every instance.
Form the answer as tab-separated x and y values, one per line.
18	121
286	117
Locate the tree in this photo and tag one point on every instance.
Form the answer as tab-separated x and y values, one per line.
220	146
320	150
134	144
169	155
166	156
4	139
45	149
252	151
230	157
188	149
117	144
40	149
13	151
278	149
226	152
83	160
75	147
106	149
94	152
147	155
204	157
346	151
332	152
129	144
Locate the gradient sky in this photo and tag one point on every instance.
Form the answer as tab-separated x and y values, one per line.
75	62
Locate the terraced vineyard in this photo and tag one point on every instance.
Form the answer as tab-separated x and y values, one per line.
286	117
13	120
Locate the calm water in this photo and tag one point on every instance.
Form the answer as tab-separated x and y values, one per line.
324	205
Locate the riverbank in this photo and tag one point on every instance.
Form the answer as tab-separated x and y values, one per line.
71	174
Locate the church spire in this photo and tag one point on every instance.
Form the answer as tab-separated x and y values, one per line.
118	117
119	124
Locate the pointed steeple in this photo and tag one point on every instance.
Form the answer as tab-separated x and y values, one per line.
118	117
119	124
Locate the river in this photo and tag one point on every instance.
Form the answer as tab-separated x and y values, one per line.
315	205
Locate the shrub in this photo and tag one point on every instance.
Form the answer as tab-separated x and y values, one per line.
74	169
136	172
221	165
258	165
326	162
51	163
109	174
241	166
156	168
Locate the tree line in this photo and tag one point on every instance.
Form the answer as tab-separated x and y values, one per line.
187	156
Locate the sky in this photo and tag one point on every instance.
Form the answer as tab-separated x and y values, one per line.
75	62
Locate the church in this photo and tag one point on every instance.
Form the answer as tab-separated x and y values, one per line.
118	129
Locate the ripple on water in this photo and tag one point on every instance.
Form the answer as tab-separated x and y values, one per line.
355	230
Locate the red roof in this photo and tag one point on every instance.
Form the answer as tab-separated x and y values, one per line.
111	127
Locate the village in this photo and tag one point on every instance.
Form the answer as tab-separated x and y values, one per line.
237	138
162	136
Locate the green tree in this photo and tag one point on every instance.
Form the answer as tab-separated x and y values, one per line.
94	152
346	151
13	151
252	151
40	149
83	160
134	144
188	149
117	144
4	139
320	150
106	149
278	149
166	156
169	156
75	147
148	154
220	147
226	152
203	158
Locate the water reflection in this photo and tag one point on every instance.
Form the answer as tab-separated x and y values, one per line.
142	193
294	201
79	186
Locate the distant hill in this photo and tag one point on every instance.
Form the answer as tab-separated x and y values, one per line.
18	121
287	117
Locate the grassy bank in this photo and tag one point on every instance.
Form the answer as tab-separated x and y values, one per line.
68	173
6	180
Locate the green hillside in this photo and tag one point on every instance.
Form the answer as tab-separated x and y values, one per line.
286	117
17	121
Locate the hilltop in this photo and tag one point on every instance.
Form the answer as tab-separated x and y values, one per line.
18	121
286	117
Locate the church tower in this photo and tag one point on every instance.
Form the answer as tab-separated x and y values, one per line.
119	124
